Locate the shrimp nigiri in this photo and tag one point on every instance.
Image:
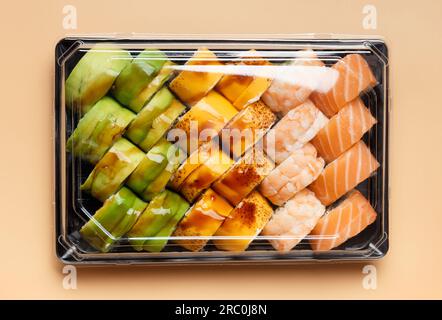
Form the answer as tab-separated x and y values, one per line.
300	169
294	220
283	96
293	131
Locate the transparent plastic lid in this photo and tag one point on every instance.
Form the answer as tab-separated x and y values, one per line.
217	150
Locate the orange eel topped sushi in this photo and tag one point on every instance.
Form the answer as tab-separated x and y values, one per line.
194	161
190	85
244	223
355	76
246	129
202	220
202	122
243	90
205	174
244	176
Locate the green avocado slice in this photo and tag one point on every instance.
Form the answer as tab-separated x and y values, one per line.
163	208
93	76
157	245
112	170
153	163
140	126
136	78
99	129
117	215
162	124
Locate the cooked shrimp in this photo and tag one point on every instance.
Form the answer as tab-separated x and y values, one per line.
294	220
283	96
300	169
293	131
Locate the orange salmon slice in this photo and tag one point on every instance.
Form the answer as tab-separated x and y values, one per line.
355	76
343	174
343	222
343	130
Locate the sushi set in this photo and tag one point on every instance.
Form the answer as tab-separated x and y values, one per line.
175	151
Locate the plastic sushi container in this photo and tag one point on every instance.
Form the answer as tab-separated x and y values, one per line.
245	150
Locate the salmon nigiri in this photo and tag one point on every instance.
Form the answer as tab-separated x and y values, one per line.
341	223
294	220
355	76
346	172
295	173
283	96
343	130
293	131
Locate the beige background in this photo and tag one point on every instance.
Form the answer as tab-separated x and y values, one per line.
30	30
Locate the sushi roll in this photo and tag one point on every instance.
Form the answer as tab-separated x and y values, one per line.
161	124
112	170
194	161
294	221
158	220
283	96
243	90
153	121
246	129
343	130
160	240
191	86
293	131
93	76
232	85
202	122
343	174
109	223
154	171
203	176
244	176
355	76
244	223
136	78
202	220
295	173
99	129
252	93
342	222
166	72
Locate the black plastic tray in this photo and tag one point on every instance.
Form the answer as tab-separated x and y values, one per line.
372	243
